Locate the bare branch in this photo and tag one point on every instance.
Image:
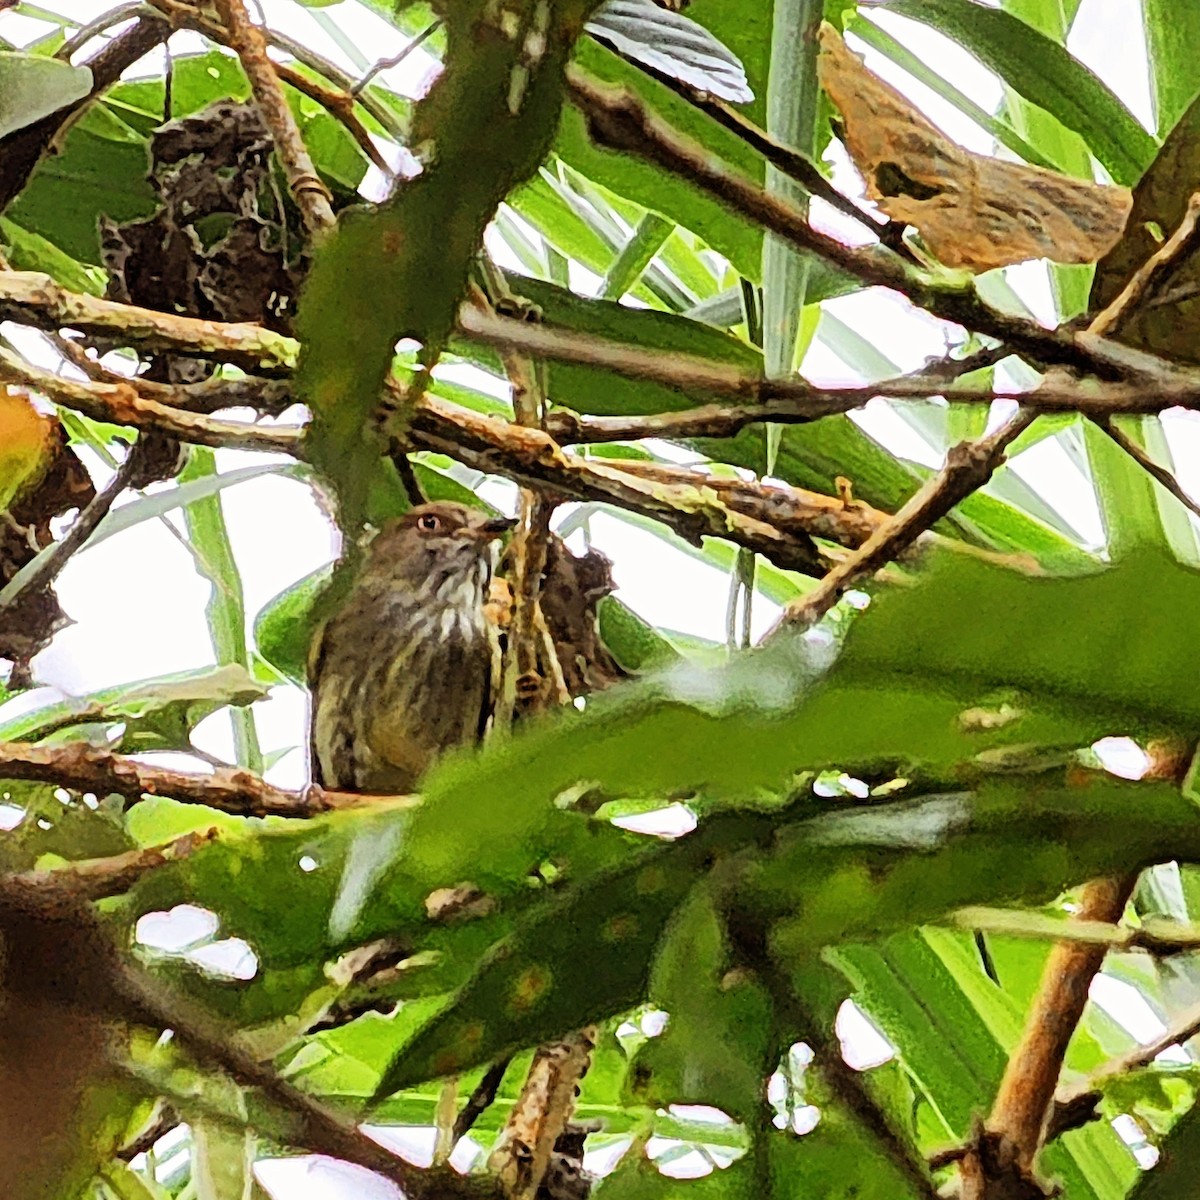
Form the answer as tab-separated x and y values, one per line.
124	404
969	465
1015	1128
85	768
31	298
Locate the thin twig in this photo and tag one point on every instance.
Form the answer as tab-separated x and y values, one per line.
386	64
311	195
1156	471
785	158
186	17
104	22
91	769
1181	1031
1157	937
969	465
480	1099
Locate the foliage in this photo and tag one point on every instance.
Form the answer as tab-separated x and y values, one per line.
827	802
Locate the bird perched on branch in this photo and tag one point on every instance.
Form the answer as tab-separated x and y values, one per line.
402	672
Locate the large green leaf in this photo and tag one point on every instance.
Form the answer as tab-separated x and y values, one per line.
1097	655
32	87
1173	31
401	269
735	237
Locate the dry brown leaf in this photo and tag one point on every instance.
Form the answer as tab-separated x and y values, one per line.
972	210
1166	320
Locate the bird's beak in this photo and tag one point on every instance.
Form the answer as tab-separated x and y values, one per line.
495	527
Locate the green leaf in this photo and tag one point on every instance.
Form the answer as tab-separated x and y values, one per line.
1042	71
536	981
1174	1177
226	608
644	243
719	1043
857	876
1099	654
158	714
32	87
1128	501
1173	32
401	269
29	251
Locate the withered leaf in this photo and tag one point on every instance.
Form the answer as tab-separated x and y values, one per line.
972	210
59	484
1167	321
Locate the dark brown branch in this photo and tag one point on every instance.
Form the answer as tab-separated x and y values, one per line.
618	119
310	193
107	987
785	158
1156	471
480	1099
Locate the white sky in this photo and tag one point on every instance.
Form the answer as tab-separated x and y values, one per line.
124	630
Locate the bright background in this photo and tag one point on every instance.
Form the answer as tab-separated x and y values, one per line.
123	630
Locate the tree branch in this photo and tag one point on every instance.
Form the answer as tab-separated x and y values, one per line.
125	403
1008	1143
969	465
618	119
85	768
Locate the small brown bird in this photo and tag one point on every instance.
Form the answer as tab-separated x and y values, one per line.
402	672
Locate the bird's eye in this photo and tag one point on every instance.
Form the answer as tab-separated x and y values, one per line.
429	523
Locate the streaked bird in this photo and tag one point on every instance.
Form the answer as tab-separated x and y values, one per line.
402	672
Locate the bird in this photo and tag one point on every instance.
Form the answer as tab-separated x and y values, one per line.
402	671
